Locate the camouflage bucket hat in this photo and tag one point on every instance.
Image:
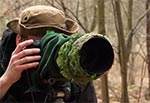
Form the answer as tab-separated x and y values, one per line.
41	16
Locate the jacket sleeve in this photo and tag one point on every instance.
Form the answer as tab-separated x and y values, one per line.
7	45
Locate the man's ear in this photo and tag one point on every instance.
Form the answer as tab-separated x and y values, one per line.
18	39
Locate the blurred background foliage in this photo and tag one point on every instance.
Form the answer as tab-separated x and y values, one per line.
125	23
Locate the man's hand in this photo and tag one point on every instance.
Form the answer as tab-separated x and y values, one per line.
21	59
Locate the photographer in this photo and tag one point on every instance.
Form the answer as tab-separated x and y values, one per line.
16	59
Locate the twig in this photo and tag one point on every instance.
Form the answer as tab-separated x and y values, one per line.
7	11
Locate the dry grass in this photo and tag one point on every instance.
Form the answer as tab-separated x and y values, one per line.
136	91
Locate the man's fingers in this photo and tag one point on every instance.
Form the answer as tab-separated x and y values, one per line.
28	52
29	65
22	45
28	59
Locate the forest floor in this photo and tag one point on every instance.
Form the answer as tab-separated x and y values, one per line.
136	91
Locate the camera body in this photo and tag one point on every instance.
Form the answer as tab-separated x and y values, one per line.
76	59
35	44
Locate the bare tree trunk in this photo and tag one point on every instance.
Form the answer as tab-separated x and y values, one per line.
93	23
130	9
105	93
101	17
147	96
131	70
101	30
122	50
85	17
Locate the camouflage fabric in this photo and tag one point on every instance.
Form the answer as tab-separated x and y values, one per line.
30	89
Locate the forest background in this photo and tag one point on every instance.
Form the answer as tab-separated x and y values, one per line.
126	23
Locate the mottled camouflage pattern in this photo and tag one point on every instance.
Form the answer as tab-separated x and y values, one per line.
69	60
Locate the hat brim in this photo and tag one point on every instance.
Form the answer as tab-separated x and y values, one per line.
71	26
13	25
